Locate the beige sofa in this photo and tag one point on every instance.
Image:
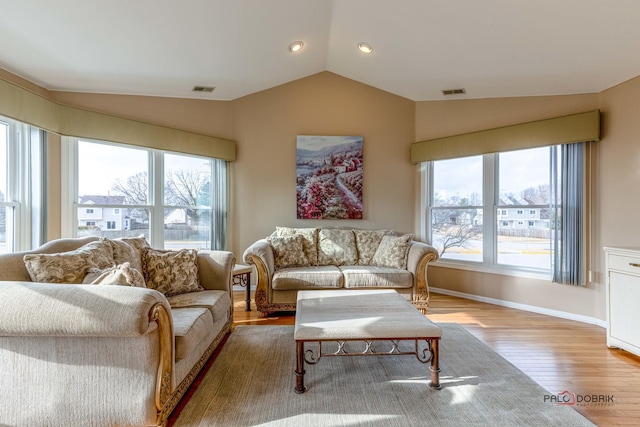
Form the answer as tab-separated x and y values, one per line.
96	355
294	259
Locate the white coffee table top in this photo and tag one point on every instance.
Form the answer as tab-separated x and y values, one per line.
359	314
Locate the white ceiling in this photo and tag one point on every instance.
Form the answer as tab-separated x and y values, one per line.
492	48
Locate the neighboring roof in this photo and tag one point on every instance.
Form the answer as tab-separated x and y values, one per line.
101	200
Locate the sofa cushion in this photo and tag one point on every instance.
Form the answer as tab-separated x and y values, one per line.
69	267
336	247
190	326
129	249
121	274
310	236
392	251
171	272
365	276
288	251
217	302
367	242
316	277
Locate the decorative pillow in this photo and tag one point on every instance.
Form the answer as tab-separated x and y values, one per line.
392	251
337	247
310	244
171	272
122	274
367	242
129	249
69	267
288	251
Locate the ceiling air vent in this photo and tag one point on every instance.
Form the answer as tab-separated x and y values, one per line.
203	89
453	92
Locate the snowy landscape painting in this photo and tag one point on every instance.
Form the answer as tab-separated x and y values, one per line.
329	177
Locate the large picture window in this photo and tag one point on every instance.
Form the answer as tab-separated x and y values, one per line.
503	210
175	200
22	168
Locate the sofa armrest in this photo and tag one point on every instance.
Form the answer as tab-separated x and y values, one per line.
260	254
100	313
215	269
420	255
46	309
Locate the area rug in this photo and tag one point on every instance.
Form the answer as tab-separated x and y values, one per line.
252	380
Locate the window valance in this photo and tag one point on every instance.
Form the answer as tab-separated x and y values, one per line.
580	127
28	107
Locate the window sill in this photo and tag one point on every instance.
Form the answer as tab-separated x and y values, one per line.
502	270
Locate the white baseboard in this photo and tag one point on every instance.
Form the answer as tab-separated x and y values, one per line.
525	307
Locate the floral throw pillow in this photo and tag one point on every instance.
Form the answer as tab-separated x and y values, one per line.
337	247
309	243
122	274
392	251
129	249
288	251
69	267
171	272
367	242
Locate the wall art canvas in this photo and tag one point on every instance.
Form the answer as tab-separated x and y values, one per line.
329	177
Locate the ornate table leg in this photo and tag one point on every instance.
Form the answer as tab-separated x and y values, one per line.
435	364
300	388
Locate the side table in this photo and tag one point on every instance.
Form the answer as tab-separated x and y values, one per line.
242	277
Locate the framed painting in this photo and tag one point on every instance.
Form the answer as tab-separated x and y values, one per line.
329	177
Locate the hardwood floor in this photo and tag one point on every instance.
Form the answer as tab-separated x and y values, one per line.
558	354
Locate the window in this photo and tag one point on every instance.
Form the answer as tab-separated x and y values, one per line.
468	199
457	208
22	170
175	200
89	211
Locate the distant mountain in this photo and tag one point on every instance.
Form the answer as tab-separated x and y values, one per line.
355	146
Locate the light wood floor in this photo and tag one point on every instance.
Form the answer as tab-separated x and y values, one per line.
558	354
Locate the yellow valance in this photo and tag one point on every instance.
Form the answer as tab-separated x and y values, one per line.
28	107
580	127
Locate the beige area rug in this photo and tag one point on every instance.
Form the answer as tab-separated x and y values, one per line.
252	380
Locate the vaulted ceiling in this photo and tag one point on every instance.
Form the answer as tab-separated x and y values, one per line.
491	48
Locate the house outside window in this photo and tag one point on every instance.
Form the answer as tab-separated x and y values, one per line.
174	200
485	194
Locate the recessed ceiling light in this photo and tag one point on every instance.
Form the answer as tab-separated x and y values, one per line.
296	46
365	47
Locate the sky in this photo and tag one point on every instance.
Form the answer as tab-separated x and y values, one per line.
100	165
317	142
518	171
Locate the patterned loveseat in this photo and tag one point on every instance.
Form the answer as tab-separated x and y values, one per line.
75	351
294	259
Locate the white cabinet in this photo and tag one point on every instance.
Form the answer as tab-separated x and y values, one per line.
623	298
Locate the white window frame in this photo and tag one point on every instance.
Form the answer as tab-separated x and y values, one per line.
155	204
26	171
491	211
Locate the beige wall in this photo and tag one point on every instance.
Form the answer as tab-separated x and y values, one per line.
266	125
436	119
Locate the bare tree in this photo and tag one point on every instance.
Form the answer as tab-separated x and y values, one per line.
135	189
187	187
183	188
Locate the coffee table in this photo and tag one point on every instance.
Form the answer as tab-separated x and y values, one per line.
383	317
